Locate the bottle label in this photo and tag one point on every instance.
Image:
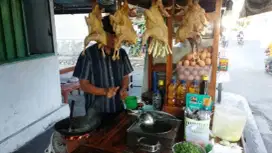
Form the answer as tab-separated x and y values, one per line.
223	64
193	90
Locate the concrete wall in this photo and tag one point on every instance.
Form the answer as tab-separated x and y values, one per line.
30	100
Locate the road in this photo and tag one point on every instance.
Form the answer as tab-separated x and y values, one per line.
247	78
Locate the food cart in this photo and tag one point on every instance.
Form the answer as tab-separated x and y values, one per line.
123	131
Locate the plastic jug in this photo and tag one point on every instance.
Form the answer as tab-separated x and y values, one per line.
228	123
197	134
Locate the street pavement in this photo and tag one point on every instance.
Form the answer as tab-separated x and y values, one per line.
248	79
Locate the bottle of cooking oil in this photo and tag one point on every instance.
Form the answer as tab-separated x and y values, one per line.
194	87
171	95
181	92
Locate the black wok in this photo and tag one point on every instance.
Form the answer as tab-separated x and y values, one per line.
78	126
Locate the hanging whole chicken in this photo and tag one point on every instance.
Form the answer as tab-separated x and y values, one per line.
95	29
122	26
193	22
157	30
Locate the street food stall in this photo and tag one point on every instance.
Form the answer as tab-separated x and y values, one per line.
182	102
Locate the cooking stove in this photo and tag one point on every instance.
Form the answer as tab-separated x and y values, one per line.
157	138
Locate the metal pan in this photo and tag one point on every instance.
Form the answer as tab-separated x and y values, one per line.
77	126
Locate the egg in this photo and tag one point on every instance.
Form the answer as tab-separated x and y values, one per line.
182	68
186	63
189	56
201	72
186	72
190	77
181	77
208	61
194	72
192	63
201	63
208	55
202	55
197	77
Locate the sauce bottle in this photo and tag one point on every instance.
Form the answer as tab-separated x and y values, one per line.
181	92
194	88
161	87
156	96
204	85
171	95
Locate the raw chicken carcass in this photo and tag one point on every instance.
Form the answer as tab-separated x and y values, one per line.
193	22
95	29
123	28
157	30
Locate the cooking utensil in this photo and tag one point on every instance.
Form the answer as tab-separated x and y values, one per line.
71	115
80	125
148	144
146	119
158	127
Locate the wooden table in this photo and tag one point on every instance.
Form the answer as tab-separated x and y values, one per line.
111	138
108	139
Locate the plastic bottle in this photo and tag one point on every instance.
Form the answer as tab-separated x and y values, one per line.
181	92
194	87
156	97
171	95
161	87
204	85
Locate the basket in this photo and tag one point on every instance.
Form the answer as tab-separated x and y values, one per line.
202	132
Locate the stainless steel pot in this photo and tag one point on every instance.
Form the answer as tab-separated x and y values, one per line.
148	145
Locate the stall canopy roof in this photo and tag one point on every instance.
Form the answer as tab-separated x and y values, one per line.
254	7
84	6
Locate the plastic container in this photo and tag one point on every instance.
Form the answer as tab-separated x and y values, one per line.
228	123
131	102
197	134
197	131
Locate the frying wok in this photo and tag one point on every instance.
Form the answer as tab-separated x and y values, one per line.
77	126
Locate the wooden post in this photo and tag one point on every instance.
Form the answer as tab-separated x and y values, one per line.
215	47
150	70
169	61
150	66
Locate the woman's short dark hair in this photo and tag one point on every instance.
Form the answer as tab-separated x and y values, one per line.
106	25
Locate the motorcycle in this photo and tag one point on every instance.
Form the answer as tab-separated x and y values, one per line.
240	41
224	42
240	38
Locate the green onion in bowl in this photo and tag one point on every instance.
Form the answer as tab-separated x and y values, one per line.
187	147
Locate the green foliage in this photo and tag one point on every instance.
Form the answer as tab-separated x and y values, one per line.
186	147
